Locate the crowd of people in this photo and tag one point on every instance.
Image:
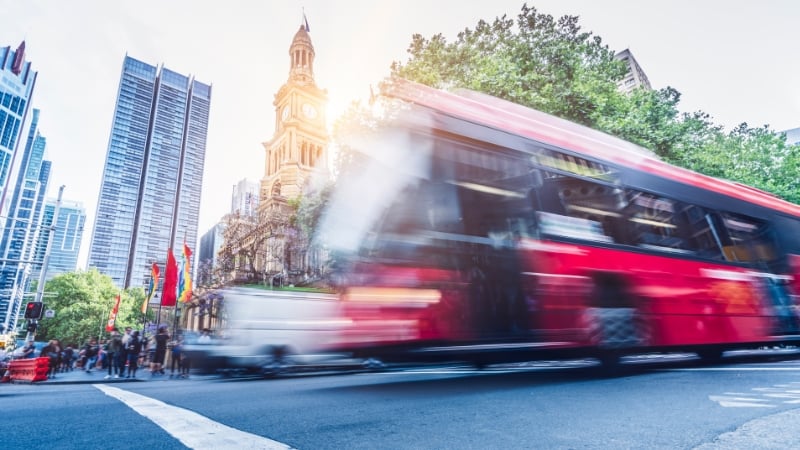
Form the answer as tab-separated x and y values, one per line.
119	356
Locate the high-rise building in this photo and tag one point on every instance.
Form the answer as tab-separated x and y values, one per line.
150	190
635	77
66	238
792	136
244	199
23	225
17	81
210	244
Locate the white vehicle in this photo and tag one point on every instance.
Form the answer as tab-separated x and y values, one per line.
270	332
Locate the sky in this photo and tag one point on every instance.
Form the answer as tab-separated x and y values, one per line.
733	59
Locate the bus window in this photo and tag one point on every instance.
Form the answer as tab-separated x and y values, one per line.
579	208
656	222
749	239
702	237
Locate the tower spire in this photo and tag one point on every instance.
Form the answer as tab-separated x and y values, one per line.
301	54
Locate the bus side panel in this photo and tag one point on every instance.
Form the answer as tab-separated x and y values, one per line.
679	302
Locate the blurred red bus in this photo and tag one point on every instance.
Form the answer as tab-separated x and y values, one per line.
471	228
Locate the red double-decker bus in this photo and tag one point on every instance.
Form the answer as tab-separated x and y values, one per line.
471	228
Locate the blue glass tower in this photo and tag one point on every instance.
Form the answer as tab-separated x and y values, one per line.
67	234
17	81
23	226
150	190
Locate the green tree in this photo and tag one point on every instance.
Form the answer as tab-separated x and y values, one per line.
82	301
556	67
538	61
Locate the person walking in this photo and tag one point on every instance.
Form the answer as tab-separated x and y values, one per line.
123	353
27	351
176	358
133	349
67	356
160	339
52	351
90	352
113	350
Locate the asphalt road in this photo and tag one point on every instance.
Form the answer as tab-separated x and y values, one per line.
679	405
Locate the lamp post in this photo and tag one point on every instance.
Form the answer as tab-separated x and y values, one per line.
45	262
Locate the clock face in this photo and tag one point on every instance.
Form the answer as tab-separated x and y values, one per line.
309	110
285	112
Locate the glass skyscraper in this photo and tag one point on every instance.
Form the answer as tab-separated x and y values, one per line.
244	199
67	234
150	190
23	226
17	81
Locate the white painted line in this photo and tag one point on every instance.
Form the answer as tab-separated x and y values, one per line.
192	429
733	402
735	369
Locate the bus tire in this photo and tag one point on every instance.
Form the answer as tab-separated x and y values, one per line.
710	355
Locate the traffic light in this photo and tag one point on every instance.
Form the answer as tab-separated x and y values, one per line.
34	310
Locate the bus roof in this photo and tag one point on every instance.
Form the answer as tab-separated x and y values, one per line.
503	115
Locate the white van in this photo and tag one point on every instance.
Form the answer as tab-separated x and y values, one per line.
269	332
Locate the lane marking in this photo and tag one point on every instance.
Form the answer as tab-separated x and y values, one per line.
735	369
192	429
740	402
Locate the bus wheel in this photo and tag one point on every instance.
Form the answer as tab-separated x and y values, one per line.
373	364
710	355
610	363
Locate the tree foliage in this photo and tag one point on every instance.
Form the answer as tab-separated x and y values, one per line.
81	302
553	65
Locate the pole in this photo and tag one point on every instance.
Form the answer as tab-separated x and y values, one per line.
43	271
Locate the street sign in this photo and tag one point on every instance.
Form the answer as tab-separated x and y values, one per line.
49	313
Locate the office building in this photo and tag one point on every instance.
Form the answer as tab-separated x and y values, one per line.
23	226
150	189
244	199
17	81
66	238
210	243
635	77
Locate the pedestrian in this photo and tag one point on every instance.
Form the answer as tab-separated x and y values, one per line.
67	356
28	350
113	349
134	348
90	353
205	338
160	343
176	358
52	351
123	353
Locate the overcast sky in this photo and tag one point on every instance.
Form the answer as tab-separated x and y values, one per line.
733	59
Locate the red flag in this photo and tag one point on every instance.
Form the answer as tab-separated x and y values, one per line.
168	292
112	316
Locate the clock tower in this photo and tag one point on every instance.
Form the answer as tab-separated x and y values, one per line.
299	145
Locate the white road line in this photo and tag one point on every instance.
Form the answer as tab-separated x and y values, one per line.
735	369
737	402
192	429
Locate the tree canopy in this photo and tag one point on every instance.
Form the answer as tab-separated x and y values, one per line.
81	302
555	66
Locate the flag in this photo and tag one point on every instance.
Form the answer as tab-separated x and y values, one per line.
168	296
185	284
305	21
112	316
152	289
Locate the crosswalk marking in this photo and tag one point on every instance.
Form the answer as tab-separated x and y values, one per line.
192	429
